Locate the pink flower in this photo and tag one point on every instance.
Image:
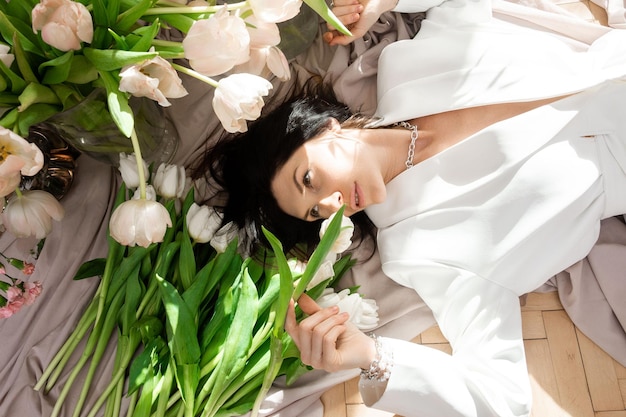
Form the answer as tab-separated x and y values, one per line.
63	23
31	214
31	292
275	10
14	293
215	45
153	78
238	98
28	268
17	157
5	312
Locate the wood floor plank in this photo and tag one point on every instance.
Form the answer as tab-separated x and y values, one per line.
543	379
568	366
432	335
611	414
601	377
352	391
532	325
334	401
360	410
542	301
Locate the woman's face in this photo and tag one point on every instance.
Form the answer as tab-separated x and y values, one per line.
326	172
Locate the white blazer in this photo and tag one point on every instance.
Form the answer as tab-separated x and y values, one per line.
499	213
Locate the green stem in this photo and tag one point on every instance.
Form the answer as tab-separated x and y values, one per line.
103	339
192	9
210	81
18	193
93	337
142	177
131	404
65	352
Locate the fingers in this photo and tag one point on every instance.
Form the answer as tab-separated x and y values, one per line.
316	336
348	13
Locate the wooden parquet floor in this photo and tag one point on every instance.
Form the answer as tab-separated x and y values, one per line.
570	375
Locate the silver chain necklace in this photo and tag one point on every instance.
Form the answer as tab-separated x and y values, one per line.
411	154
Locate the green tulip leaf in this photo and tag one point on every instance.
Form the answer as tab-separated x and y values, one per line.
18	84
89	269
9	29
57	70
286	282
117	101
181	324
128	18
37	93
34	114
319	254
113	59
321	8
145	36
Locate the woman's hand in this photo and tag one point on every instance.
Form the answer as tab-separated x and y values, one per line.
326	339
358	16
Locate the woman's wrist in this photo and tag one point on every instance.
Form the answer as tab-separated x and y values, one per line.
380	361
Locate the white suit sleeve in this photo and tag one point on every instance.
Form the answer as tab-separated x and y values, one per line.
486	375
414	6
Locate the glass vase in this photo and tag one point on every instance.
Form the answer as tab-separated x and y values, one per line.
90	129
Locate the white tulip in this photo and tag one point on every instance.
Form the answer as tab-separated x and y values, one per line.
139	222
344	240
202	222
30	213
215	45
275	10
238	98
128	169
170	180
363	312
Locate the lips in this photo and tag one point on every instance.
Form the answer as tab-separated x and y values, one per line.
357	195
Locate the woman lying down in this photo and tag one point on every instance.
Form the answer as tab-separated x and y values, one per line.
495	152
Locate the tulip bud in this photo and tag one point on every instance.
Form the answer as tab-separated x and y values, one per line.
128	169
169	181
344	240
202	222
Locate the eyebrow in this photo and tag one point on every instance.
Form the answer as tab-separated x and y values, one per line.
300	190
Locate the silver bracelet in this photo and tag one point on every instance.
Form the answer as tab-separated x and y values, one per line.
380	368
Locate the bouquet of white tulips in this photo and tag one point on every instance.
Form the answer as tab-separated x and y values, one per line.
199	327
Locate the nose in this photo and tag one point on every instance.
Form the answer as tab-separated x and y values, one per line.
331	204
